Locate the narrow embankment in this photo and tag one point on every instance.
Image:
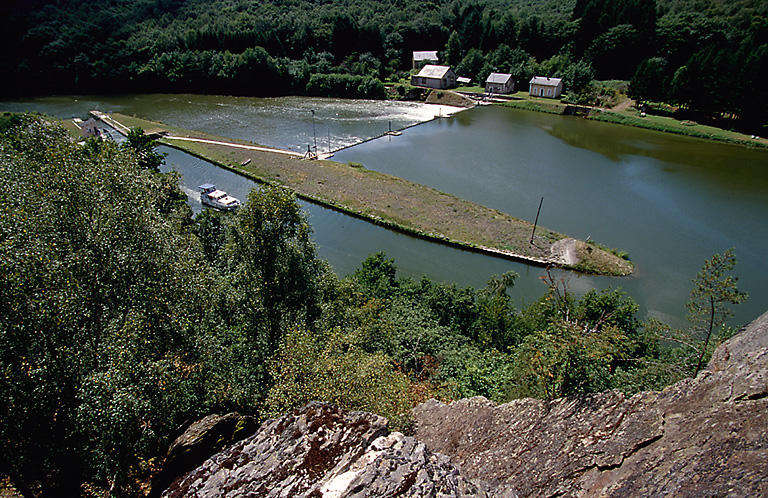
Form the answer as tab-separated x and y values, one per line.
623	114
386	200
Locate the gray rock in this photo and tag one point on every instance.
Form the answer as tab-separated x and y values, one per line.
199	441
321	450
704	436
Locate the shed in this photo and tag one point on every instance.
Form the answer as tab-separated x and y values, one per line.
499	83
542	86
433	76
464	81
424	57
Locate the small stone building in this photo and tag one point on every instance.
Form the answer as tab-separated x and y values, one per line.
499	83
542	86
431	76
424	57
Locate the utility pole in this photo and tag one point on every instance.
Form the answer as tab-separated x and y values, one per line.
314	134
537	219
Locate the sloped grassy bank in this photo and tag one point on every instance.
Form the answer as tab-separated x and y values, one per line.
392	202
629	117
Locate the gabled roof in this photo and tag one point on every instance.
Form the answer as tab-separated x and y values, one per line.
501	78
425	55
543	80
432	71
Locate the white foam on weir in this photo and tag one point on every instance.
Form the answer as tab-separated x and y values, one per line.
398	114
444	110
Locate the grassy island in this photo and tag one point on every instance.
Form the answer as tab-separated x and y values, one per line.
394	203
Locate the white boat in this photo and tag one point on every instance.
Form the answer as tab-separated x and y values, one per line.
215	198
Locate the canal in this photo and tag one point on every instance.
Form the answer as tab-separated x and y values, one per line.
670	201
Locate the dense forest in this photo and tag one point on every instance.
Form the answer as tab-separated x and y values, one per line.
124	316
707	56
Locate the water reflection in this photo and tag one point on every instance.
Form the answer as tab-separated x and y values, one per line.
671	201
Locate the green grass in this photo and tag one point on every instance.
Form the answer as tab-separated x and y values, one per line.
470	89
631	117
535	105
380	198
71	128
8	119
672	125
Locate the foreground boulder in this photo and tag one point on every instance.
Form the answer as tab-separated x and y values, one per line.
704	436
321	450
199	441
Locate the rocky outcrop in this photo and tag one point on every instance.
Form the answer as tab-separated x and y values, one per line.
704	436
199	441
321	450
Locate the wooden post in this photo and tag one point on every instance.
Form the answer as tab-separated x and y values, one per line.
314	134
537	219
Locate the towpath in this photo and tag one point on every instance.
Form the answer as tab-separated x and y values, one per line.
231	144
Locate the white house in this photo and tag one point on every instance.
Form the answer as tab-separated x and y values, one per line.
499	83
424	57
542	86
435	77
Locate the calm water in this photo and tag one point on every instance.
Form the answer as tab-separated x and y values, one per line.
670	201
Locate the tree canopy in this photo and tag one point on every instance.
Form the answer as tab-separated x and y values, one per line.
124	316
349	48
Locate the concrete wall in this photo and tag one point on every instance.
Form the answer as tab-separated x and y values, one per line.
546	91
499	87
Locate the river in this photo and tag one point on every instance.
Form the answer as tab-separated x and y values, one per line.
670	201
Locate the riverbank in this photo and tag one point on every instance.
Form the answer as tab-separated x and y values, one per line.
390	201
632	117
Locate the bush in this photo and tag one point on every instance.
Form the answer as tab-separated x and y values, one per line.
345	85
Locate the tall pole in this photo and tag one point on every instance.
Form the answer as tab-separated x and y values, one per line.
314	134
537	219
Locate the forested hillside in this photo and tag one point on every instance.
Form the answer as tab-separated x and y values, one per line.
707	55
123	316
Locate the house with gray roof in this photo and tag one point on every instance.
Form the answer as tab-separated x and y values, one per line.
499	83
542	86
424	57
432	76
